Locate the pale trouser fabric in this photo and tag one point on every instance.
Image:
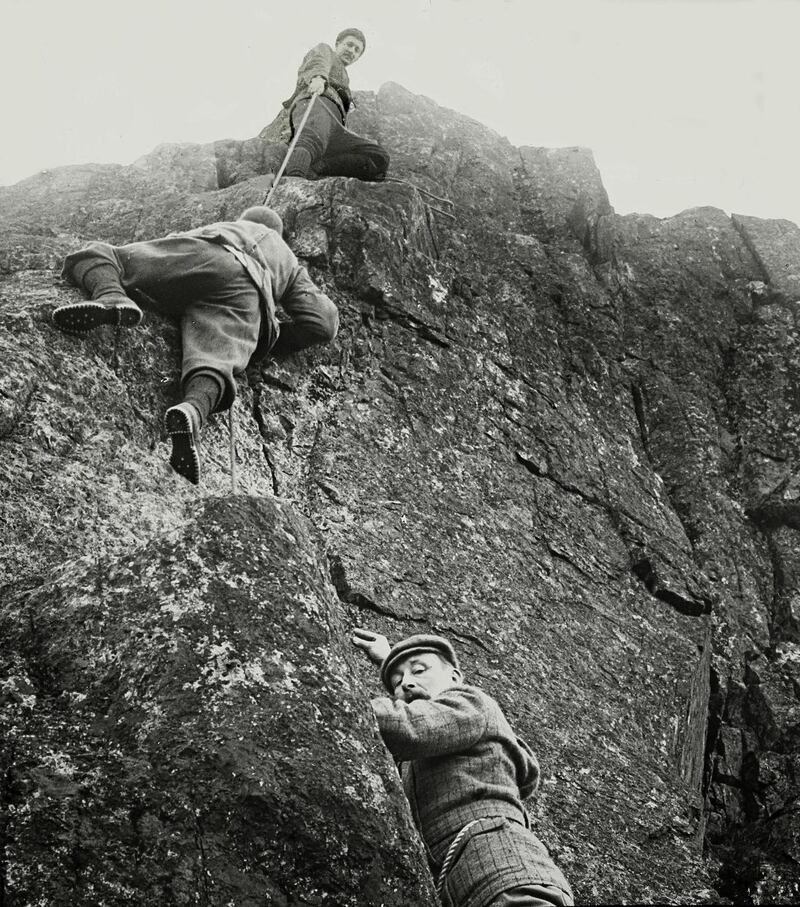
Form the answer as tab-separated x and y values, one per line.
204	286
533	896
498	858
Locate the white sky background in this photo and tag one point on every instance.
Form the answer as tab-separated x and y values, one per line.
683	102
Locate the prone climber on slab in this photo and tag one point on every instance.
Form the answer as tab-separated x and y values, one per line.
223	282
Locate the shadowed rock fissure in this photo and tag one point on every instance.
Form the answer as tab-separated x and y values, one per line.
784	625
751	757
643	569
258	417
347	594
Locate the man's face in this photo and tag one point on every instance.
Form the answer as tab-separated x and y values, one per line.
349	49
422	676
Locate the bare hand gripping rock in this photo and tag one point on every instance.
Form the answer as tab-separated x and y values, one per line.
223	282
466	775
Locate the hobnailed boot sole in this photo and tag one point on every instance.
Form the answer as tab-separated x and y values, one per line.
185	459
81	317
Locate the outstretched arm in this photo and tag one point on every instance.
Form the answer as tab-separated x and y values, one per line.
315	69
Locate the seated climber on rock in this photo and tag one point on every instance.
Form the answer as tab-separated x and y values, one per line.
325	146
466	775
222	281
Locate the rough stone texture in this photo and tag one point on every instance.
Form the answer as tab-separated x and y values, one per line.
566	439
776	245
167	748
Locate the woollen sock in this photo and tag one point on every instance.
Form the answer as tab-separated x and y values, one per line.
99	278
299	163
204	391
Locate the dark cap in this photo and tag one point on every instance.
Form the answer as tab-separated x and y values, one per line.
356	33
413	645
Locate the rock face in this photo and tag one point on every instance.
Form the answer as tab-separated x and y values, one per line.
179	746
565	439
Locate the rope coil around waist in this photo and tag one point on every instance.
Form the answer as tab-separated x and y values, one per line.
448	859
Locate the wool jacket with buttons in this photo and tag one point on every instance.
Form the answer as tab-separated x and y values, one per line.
323	60
270	263
460	761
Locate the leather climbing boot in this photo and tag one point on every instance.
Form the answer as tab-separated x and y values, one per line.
182	423
109	303
81	317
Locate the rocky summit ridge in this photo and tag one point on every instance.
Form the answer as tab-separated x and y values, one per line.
564	438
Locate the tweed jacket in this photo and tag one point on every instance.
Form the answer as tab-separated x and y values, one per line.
270	263
323	60
460	761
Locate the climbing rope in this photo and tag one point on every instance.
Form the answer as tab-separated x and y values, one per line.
277	179
232	445
451	852
421	191
397	179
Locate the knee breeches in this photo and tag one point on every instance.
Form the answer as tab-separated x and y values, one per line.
204	286
334	150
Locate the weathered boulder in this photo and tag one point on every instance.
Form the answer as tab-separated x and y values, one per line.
564	438
163	744
775	243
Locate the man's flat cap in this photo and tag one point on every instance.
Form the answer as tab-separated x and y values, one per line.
413	645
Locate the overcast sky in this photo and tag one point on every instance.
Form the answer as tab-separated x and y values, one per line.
683	102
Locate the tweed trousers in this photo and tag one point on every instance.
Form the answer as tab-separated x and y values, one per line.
496	852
